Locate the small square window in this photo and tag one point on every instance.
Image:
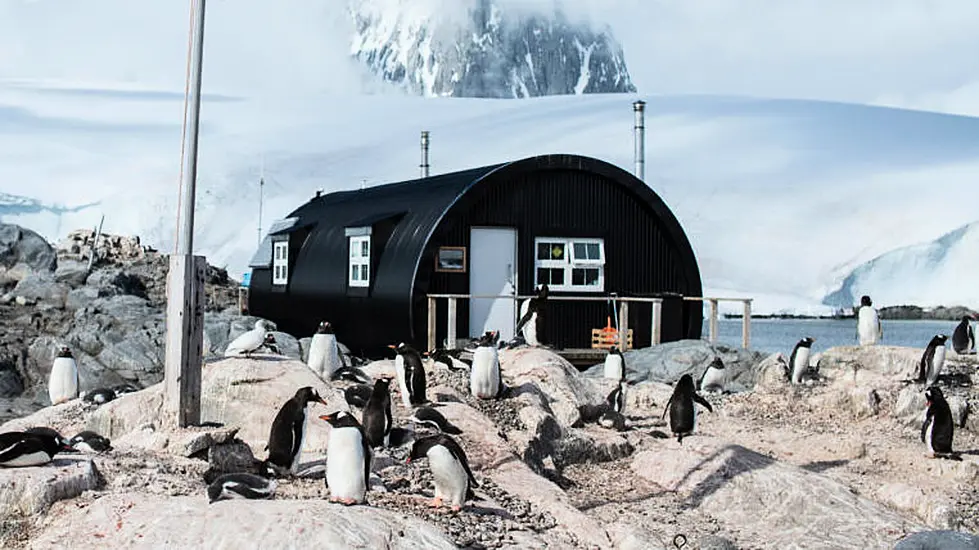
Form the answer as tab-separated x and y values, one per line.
364	272
355	272
364	249
584	276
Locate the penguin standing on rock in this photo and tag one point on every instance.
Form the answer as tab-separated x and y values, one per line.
532	317
411	375
682	408
614	364
288	431
799	360
938	427
485	380
240	485
324	352
377	419
348	459
428	416
270	343
454	481
63	382
932	360
963	339
869	329
23	449
713	377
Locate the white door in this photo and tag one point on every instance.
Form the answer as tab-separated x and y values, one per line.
492	272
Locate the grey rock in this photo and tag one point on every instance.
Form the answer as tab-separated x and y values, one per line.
21	245
39	287
81	297
71	273
229	457
304	348
287	344
114	281
713	542
938	540
27	491
11	384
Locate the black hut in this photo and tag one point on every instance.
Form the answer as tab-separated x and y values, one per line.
366	260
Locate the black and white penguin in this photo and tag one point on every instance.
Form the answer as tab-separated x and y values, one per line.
357	395
288	431
614	415
938	427
449	358
799	360
377	419
682	407
963	339
240	485
248	342
869	329
22	449
428	416
714	377
531	322
99	396
485	378
932	360
63	382
454	481
324	352
123	389
348	459
411	375
270	343
90	442
614	364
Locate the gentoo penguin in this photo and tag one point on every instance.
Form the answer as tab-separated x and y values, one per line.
714	377
963	339
270	343
938	427
430	417
99	396
240	485
248	342
454	481
614	364
932	360
411	375
485	381
348	459
90	442
123	389
799	360
289	430
446	357
63	382
44	430
682	408
377	419
869	329
531	317
20	449
357	395
614	415
324	352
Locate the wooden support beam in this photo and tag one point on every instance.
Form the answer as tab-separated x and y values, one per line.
185	338
712	326
746	325
431	323
657	323
623	326
452	324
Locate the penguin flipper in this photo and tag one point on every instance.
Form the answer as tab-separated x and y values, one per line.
523	320
667	408
702	401
24	446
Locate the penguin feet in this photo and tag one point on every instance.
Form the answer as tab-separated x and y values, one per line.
436	502
455	508
344	501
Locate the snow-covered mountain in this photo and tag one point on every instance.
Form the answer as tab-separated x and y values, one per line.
941	272
482	49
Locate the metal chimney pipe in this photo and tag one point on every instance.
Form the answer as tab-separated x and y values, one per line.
424	164
639	106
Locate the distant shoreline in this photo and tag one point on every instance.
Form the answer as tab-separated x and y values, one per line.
889	313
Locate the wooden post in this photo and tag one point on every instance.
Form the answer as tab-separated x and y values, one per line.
431	323
713	321
185	324
623	325
746	324
452	324
657	322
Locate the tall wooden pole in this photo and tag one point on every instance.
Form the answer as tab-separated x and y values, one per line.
185	281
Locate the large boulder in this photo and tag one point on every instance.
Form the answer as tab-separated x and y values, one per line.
41	287
666	363
541	371
938	540
28	491
894	362
752	493
152	521
21	245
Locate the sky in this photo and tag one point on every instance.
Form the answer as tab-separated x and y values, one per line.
906	53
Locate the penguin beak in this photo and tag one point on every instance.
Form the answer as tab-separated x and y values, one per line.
392	346
408	460
326	417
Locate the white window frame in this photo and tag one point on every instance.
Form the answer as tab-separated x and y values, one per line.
359	261
569	263
280	262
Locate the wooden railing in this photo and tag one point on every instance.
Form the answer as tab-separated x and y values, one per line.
622	303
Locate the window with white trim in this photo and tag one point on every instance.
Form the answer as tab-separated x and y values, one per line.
570	264
360	260
280	262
